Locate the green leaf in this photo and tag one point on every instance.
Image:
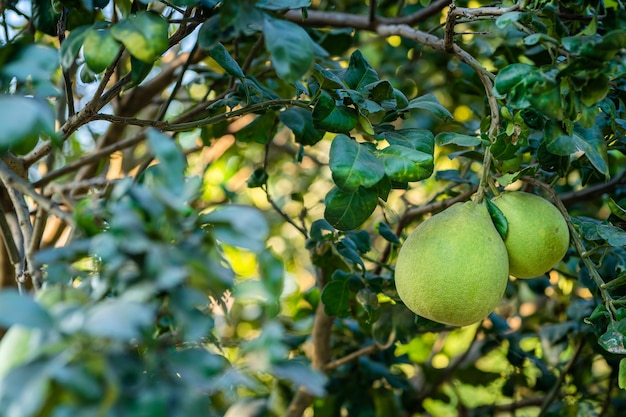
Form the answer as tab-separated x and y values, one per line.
332	118
389	235
591	142
430	103
33	64
119	319
300	121
139	70
511	76
17	309
508	18
71	46
172	161
258	178
614	236
290	48
557	141
100	49
613	340
237	225
359	73
616	209
347	211
595	90
498	218
406	165
210	33
353	164
225	60
419	139
459	139
260	130
272	273
22	119
145	35
544	95
336	298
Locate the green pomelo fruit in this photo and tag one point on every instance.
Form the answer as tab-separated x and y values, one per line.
537	236
453	268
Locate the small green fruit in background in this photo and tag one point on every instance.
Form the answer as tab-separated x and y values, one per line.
453	268
537	236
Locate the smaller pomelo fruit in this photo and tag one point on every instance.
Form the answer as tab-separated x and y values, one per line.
537	236
453	268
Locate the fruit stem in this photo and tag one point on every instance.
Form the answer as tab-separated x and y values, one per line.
480	193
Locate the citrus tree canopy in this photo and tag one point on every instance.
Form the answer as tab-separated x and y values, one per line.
202	204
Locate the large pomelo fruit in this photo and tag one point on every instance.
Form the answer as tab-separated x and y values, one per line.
537	236
453	268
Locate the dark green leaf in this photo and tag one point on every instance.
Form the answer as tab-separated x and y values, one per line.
139	70
359	73
385	231
71	46
509	77
225	60
446	138
327	115
347	211
300	121
100	49
241	226
272	273
595	91
353	164
558	141
145	35
260	130
508	18
258	178
616	209
591	142
613	340
210	33
17	309
290	48
23	119
406	165
118	319
172	160
318	227
336	298
429	103
419	139
498	218
613	235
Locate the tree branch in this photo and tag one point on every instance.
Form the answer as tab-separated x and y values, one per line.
348	20
322	327
14	182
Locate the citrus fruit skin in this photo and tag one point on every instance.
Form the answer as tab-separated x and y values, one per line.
537	236
453	268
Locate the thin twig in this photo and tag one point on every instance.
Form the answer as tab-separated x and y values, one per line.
364	351
17	184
